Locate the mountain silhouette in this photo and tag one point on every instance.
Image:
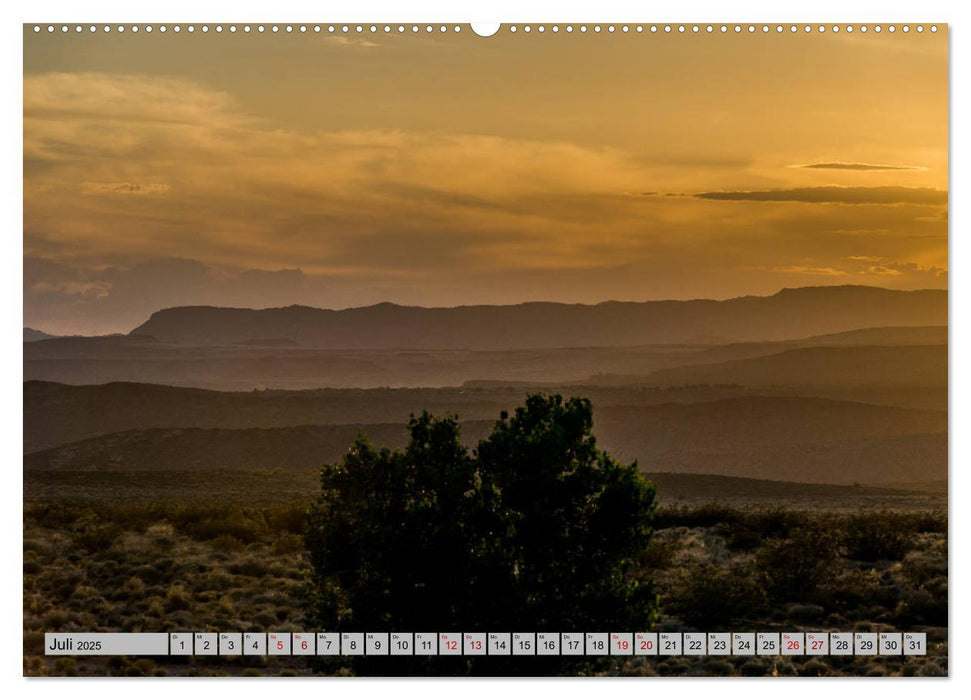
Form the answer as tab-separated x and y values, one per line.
32	335
788	314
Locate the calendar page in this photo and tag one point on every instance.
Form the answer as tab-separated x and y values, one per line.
424	349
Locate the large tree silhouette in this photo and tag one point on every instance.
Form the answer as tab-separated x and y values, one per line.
535	530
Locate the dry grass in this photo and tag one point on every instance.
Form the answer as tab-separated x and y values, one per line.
101	567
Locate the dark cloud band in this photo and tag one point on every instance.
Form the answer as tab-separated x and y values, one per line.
857	166
838	195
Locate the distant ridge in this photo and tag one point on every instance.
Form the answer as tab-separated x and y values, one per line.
789	314
905	365
32	335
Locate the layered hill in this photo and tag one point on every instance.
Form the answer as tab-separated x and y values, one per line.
910	365
55	414
785	438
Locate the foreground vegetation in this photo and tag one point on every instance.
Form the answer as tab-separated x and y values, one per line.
101	566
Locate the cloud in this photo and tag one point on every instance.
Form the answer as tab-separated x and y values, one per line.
123	99
90	298
868	269
123	188
809	270
924	196
857	166
885	267
240	191
352	42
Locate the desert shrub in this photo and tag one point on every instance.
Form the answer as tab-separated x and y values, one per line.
711	597
706	515
265	620
54	620
742	528
142	667
922	606
136	623
134	587
66	666
32	567
227	543
130	516
286	518
246	525
36	546
927	521
34	641
288	544
922	567
850	590
658	555
60	583
55	516
674	666
115	666
161	534
95	536
719	667
755	667
742	538
177	598
932	669
794	567
33	665
159	571
255	568
639	667
774	522
875	536
814	668
783	668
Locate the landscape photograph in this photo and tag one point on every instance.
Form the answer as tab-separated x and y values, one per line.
395	329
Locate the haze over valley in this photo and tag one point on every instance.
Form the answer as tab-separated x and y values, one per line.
843	385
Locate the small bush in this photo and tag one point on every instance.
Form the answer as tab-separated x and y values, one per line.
658	555
923	567
227	543
713	597
288	544
96	537
719	667
794	567
243	525
134	588
755	667
814	668
698	516
177	598
288	518
876	536
66	666
255	568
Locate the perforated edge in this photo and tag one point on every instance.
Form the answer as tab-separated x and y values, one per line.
521	29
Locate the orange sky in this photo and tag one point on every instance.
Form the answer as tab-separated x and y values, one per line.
162	170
